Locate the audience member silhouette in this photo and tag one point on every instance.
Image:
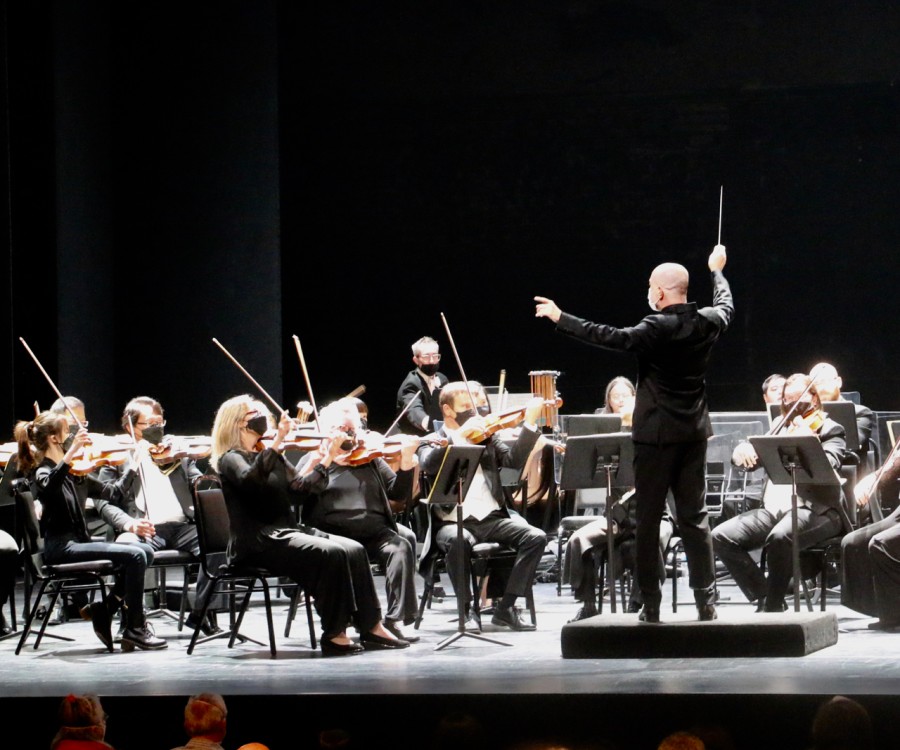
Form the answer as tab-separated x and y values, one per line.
842	723
82	724
205	722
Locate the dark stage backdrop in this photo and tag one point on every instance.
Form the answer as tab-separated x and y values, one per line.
347	172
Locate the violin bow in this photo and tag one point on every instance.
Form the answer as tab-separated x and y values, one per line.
402	412
262	390
52	384
458	362
140	469
309	390
356	392
502	401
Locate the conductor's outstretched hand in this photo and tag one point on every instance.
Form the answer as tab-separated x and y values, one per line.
717	258
546	308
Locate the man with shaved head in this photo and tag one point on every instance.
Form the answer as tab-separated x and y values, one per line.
671	424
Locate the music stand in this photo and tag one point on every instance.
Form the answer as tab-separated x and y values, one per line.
578	425
450	486
795	460
844	413
600	461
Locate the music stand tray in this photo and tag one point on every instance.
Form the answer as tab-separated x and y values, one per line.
450	487
600	461
798	460
578	425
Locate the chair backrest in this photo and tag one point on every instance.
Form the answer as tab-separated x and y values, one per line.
211	514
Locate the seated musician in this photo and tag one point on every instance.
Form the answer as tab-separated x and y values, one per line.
744	457
829	384
870	555
579	560
9	566
486	515
342	496
46	453
160	512
821	513
259	488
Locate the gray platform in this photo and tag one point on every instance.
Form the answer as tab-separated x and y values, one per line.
681	636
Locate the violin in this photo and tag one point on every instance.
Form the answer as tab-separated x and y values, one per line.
102	451
375	445
7	451
493	423
174	448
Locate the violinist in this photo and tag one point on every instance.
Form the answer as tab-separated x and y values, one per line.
486	513
66	538
342	496
426	381
821	513
158	514
259	488
828	384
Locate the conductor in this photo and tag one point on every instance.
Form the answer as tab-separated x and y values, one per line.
671	424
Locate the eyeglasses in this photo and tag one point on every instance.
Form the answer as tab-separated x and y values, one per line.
150	424
430	357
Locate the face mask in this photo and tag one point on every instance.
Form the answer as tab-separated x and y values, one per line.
364	423
464	416
67	443
651	301
429	369
259	425
483	411
350	443
803	408
153	434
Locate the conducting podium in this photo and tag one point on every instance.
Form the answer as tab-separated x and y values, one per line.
797	460
593	461
449	488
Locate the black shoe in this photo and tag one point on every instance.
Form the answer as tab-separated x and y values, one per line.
776	606
706	613
584	613
207	626
330	648
633	607
98	614
372	642
885	623
394	629
510	617
649	614
143	638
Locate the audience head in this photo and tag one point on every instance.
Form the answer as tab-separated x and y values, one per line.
459	729
254	746
335	739
681	741
205	716
842	724
81	717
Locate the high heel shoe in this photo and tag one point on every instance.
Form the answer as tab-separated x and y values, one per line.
330	648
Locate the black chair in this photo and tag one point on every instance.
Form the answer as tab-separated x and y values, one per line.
53	580
166	559
213	530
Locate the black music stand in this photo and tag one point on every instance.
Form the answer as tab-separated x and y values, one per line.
795	460
578	425
600	461
450	486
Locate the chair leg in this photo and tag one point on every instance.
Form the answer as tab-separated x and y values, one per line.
424	600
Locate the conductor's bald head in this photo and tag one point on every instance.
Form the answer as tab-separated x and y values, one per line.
668	285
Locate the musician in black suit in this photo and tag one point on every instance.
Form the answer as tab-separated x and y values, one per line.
829	384
820	515
426	383
671	417
486	514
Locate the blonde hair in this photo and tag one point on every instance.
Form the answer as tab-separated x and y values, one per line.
226	430
333	414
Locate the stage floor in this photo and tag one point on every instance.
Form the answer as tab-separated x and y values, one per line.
526	674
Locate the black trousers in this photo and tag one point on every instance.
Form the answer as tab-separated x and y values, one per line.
870	559
680	467
333	569
528	541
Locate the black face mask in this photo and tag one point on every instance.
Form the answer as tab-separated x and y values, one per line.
429	369
350	443
364	423
153	434
462	417
259	425
484	410
67	443
802	408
